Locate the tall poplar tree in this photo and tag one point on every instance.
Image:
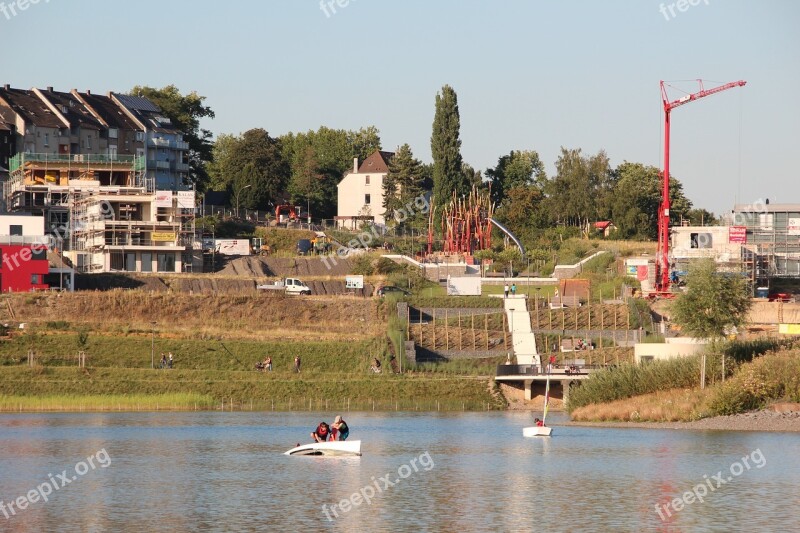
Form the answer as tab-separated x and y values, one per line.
448	174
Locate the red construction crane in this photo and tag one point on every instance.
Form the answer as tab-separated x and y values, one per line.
662	260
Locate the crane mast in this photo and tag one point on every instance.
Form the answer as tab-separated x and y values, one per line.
662	259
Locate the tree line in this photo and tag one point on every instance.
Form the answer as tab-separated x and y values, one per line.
304	168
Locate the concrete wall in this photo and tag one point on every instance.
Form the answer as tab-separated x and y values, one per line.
32	226
674	347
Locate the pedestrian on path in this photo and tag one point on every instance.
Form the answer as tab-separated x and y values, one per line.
505	291
513	289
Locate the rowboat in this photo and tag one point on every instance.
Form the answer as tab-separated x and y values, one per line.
328	449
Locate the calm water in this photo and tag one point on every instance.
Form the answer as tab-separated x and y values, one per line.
474	472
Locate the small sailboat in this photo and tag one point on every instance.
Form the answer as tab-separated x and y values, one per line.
541	431
331	448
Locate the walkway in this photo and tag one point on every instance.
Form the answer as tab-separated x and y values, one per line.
523	340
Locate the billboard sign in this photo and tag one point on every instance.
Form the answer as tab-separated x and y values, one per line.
737	234
232	246
186	200
163	198
354	282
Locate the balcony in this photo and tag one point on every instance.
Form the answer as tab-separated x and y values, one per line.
181	145
158	142
181	167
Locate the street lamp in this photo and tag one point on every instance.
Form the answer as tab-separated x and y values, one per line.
153	346
237	197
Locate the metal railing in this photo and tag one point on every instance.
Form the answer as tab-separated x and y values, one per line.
132	161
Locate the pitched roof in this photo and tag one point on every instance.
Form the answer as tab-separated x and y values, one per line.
72	109
30	108
109	111
603	224
146	112
377	162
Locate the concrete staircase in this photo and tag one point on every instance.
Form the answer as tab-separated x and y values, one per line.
523	340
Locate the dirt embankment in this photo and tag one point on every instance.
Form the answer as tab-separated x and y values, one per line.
229	315
779	417
257	267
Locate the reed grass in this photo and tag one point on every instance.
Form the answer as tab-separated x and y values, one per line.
112	402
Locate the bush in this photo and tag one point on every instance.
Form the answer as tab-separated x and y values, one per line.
769	378
387	266
362	264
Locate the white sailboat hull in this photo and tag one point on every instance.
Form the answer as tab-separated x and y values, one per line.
330	449
537	431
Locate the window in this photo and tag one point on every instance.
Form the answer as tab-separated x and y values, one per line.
147	262
113	133
38	253
701	240
15	230
367	180
35	279
139	136
367	199
130	262
166	262
112	151
47	139
117	260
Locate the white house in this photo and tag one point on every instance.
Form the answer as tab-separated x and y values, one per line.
361	192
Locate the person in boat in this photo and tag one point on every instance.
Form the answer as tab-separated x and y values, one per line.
339	427
322	432
539	423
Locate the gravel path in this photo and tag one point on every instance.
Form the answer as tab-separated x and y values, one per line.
767	420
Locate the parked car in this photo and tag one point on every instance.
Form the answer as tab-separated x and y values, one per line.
780	297
389	289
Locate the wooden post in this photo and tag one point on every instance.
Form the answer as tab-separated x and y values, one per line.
459	329
473	331
550	317
446	330
433	323
486	330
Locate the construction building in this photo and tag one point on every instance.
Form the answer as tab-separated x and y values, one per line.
762	244
108	173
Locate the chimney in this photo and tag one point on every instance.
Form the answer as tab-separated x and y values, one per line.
7	87
49	89
355	165
88	92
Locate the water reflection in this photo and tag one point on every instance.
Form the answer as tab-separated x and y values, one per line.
226	471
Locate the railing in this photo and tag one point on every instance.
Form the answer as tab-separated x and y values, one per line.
21	159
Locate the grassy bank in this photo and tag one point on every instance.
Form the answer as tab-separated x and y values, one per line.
669	391
124	402
259	390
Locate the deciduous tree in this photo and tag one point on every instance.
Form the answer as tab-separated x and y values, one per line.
713	302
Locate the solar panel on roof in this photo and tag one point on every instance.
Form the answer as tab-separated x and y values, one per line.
137	102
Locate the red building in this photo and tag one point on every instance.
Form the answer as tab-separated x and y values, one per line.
23	268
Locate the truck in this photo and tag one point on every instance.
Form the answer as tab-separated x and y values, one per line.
288	286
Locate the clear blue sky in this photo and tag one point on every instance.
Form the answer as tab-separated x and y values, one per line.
530	74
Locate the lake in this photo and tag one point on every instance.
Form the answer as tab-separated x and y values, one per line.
419	472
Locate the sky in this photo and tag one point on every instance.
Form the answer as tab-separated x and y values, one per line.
529	74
